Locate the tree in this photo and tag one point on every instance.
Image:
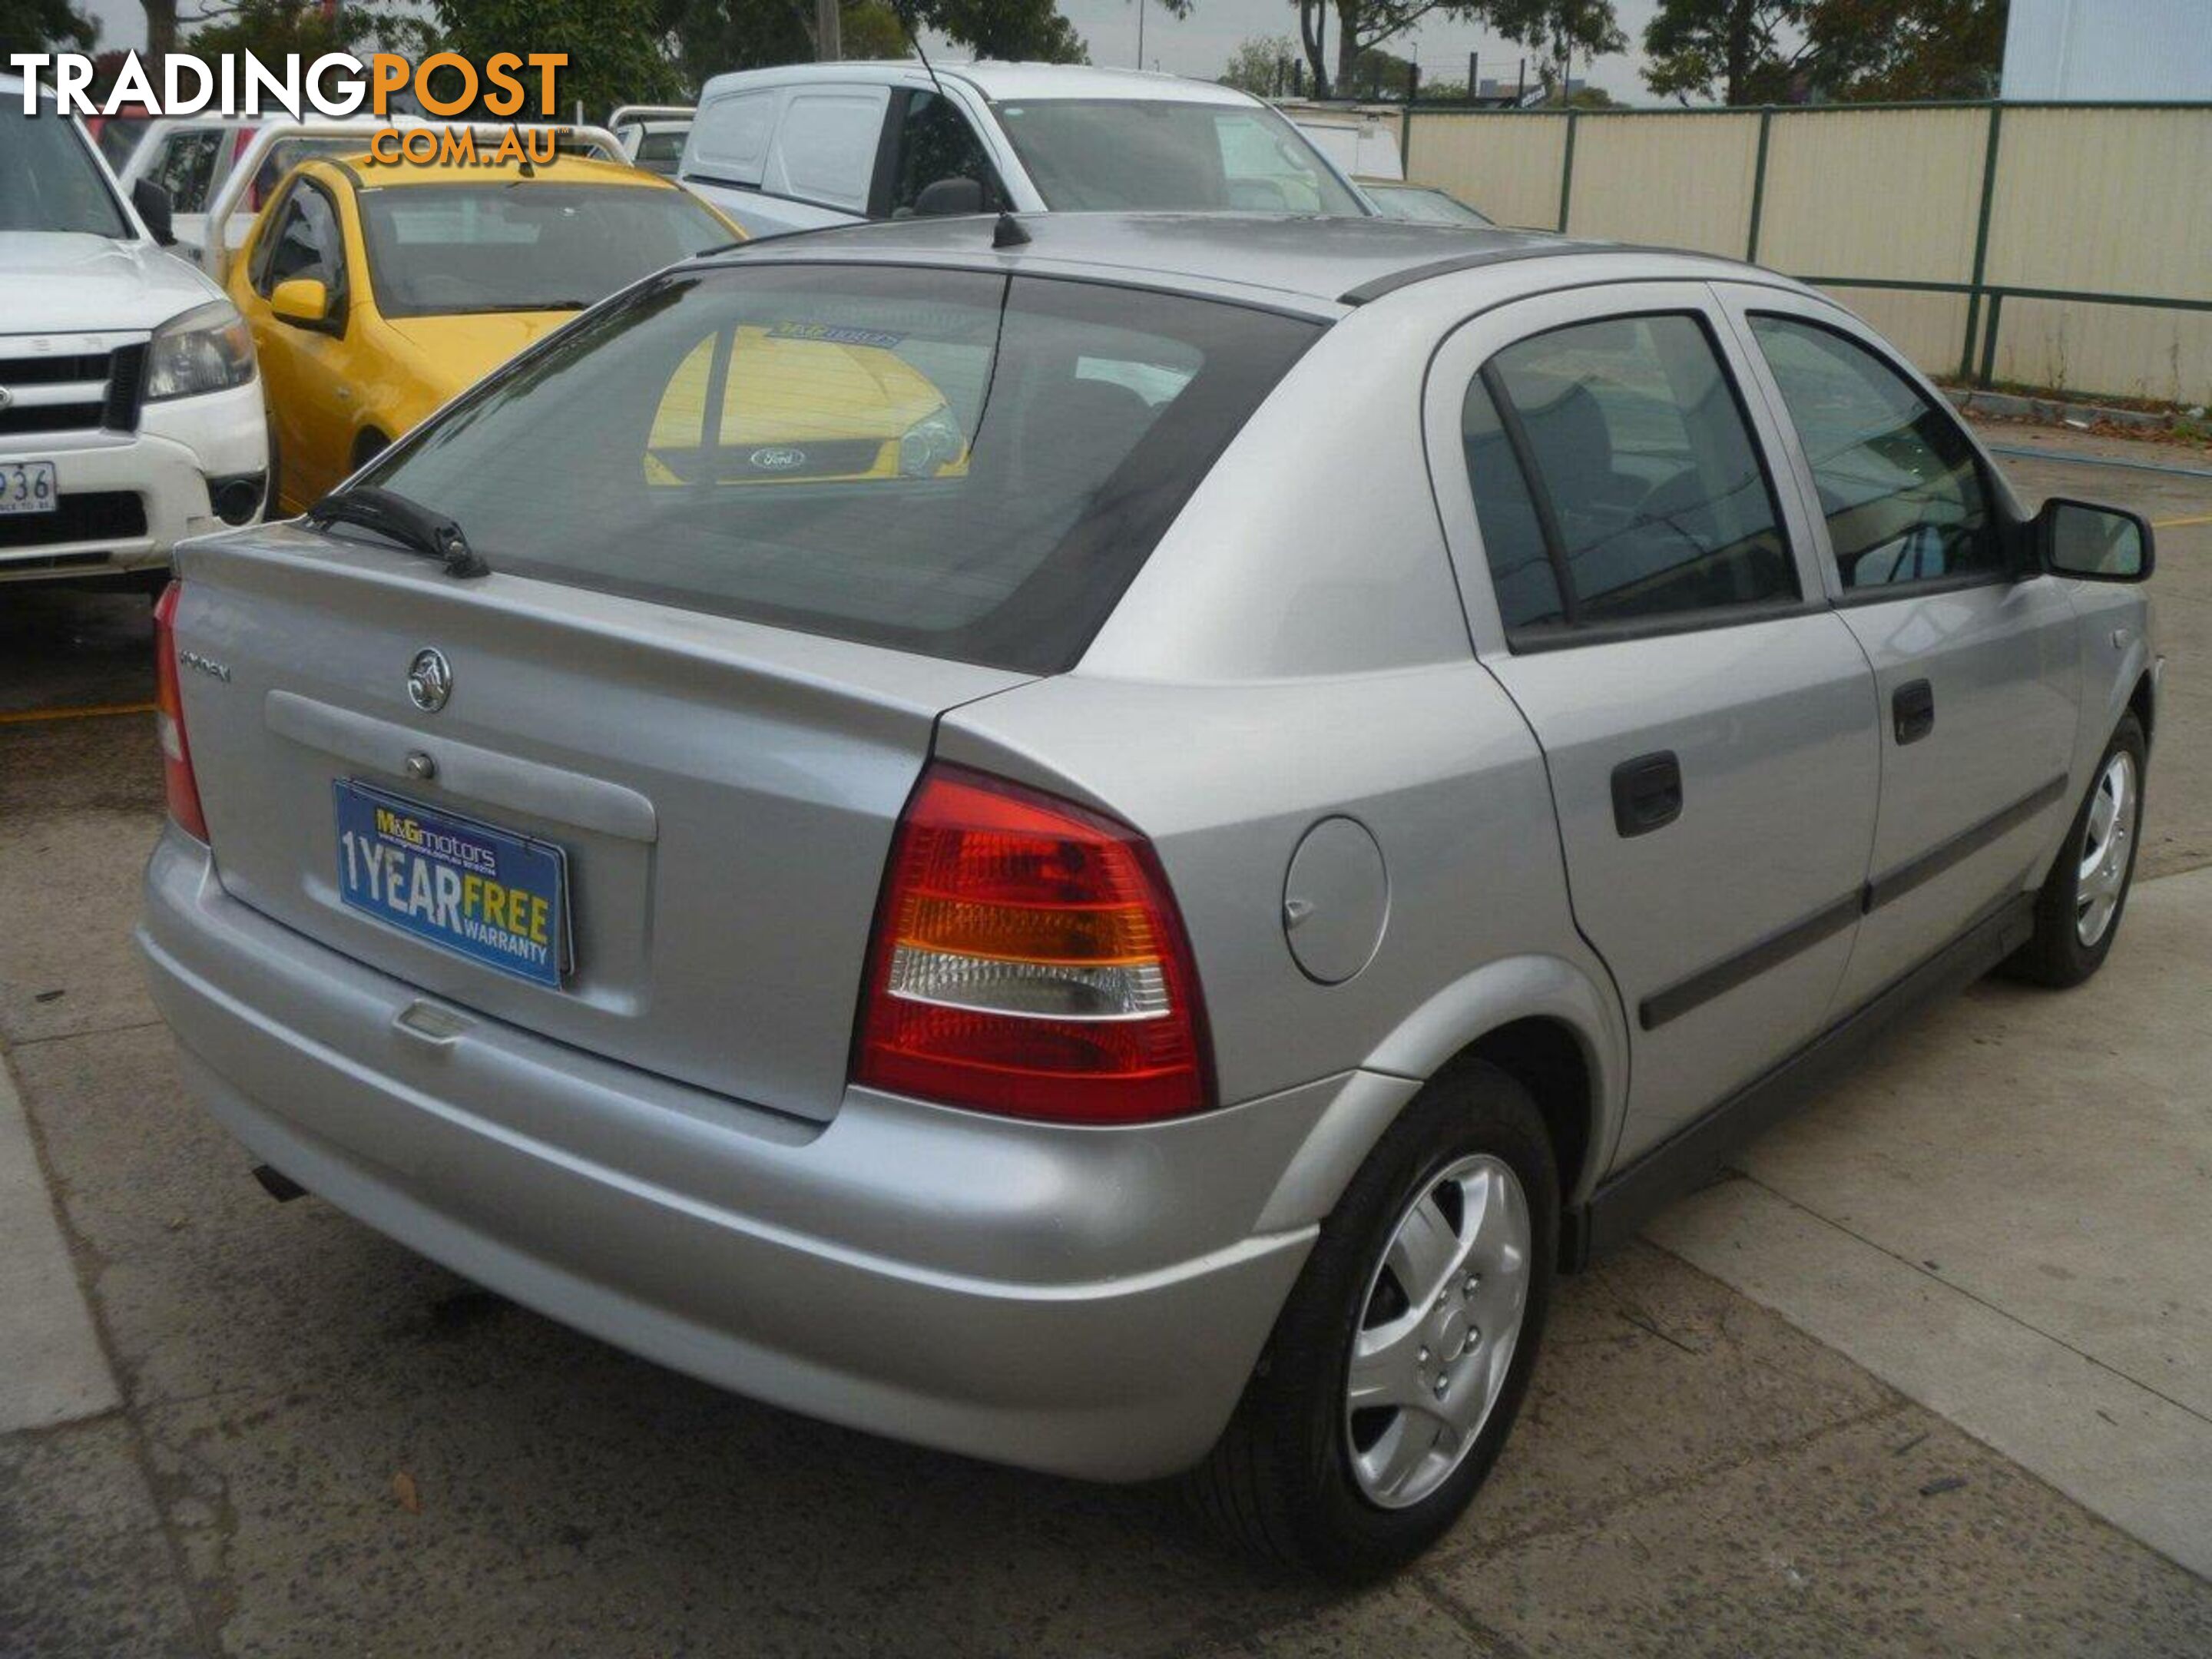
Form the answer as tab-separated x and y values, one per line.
617	51
1379	74
45	26
707	37
1313	23
1262	66
1731	50
161	28
1032	30
1364	25
870	28
1558	29
271	28
1901	50
1760	52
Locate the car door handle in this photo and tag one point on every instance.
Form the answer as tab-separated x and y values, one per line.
1647	793
1913	711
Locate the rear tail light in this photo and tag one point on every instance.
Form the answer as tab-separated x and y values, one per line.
1029	960
169	719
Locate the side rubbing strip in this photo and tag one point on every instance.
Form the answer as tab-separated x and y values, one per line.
1964	845
1703	986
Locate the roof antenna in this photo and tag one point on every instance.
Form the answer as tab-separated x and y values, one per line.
903	11
1008	232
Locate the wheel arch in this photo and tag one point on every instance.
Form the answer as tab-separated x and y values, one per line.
1543	1021
2142	704
1552	1025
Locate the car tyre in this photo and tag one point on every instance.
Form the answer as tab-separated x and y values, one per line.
1300	1477
2077	913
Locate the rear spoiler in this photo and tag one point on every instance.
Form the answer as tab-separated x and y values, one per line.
215	254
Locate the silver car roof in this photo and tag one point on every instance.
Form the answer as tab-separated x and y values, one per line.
1321	266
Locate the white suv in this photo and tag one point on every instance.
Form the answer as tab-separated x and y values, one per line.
130	412
815	145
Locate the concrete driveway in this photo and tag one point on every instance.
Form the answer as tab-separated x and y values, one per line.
1841	1411
2005	1215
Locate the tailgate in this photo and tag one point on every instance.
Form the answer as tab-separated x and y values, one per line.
723	793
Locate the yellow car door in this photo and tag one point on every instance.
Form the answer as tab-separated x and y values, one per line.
292	290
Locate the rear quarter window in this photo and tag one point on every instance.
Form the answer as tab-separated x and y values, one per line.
827	145
951	462
730	136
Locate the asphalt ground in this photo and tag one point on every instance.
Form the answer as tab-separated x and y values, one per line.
268	1430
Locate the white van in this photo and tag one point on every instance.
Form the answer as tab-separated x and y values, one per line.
131	411
814	144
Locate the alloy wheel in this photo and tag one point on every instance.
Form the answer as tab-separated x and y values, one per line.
2107	840
1437	1329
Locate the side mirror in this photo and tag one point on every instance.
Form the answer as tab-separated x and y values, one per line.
949	197
153	207
302	301
2093	543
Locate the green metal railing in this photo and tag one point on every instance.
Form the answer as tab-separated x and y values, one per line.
1985	299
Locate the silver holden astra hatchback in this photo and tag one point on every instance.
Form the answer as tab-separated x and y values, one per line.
1102	842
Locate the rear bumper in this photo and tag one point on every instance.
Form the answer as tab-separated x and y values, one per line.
1086	1302
165	464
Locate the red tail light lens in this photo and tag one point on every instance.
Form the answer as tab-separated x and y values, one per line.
1029	960
169	719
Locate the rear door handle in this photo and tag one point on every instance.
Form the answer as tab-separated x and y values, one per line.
1647	792
1913	711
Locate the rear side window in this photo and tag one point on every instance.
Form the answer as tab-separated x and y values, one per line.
943	461
827	145
1615	479
729	136
1899	485
658	152
186	168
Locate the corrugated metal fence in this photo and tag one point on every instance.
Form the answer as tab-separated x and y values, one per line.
2057	245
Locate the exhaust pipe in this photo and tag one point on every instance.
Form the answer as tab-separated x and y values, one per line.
279	1185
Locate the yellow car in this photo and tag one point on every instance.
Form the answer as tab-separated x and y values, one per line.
376	293
803	402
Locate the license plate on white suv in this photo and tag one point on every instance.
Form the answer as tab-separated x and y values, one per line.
27	487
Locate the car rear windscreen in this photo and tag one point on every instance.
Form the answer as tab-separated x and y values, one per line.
448	250
954	462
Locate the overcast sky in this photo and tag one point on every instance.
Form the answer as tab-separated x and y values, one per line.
1201	45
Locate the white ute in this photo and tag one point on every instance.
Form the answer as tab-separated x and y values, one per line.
130	413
